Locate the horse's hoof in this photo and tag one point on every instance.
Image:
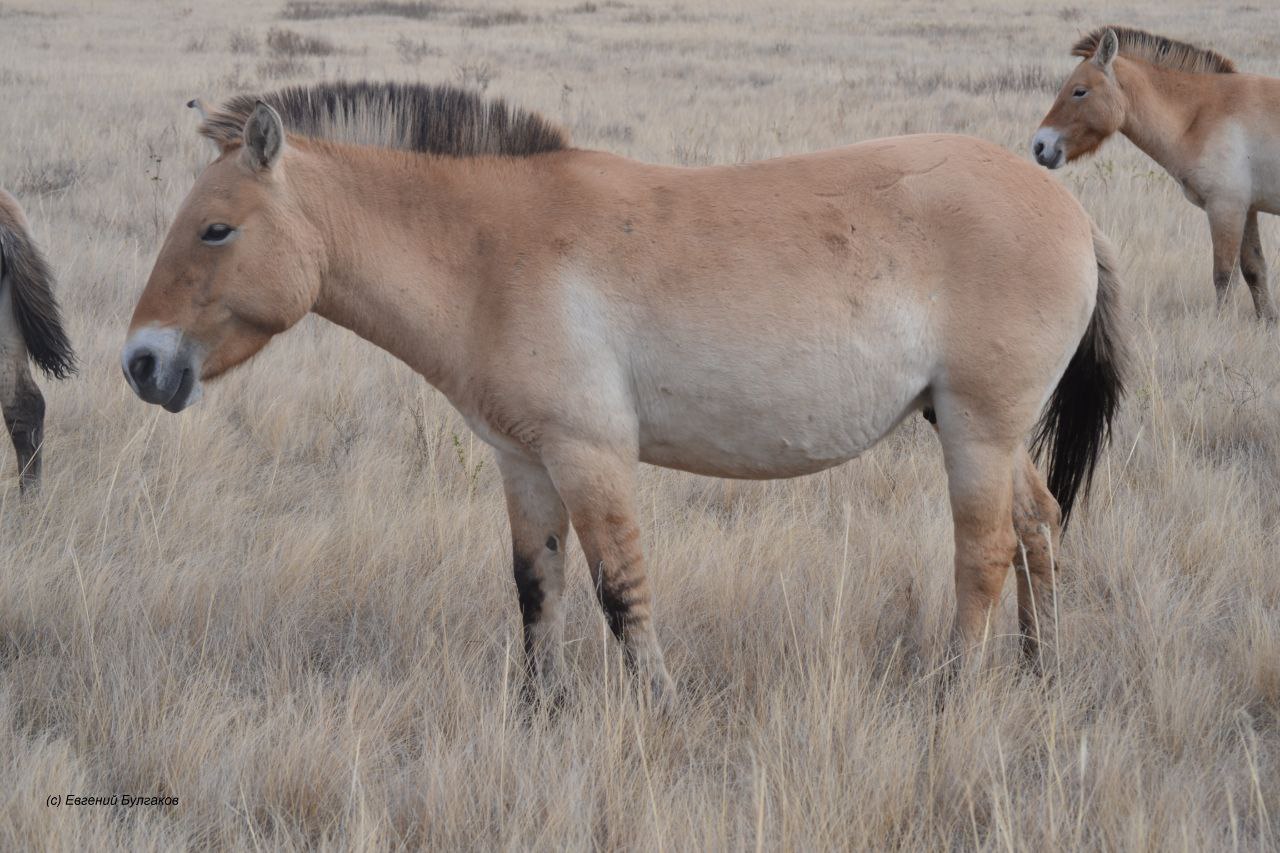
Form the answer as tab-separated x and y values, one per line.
662	693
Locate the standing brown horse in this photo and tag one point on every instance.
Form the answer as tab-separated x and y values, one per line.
30	327
586	312
1216	131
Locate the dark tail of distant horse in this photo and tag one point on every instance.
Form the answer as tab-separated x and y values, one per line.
27	287
24	271
1077	422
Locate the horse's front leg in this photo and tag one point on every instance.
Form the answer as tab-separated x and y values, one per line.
1254	266
1226	228
539	525
597	485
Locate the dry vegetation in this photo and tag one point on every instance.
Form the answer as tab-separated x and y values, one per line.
291	606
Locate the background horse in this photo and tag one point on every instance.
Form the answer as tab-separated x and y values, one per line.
1217	132
585	312
30	327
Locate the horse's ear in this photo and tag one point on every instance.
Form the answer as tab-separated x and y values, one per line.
198	105
263	137
1108	47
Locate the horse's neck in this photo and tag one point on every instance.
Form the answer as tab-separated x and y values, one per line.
400	266
1162	105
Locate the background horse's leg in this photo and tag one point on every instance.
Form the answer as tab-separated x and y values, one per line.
539	527
1226	228
1037	521
980	482
20	398
598	487
23	406
1254	267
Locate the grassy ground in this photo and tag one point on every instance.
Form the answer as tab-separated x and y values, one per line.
291	606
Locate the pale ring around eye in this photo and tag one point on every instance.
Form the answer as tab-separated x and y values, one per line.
217	233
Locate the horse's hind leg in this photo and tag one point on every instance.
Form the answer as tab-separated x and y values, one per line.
1037	521
539	527
23	407
980	472
20	398
1254	267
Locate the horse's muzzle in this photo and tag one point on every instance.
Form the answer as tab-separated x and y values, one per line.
1047	148
163	367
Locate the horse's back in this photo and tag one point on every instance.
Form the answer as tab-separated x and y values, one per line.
892	208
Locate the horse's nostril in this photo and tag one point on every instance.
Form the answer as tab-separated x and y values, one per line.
1039	148
141	367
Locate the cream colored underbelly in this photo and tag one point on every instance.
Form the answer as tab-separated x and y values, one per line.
771	449
744	413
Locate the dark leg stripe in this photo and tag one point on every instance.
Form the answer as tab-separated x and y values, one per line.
529	589
617	600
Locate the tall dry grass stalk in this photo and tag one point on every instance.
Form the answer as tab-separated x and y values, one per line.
291	606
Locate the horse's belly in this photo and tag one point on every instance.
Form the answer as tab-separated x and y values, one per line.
766	452
741	420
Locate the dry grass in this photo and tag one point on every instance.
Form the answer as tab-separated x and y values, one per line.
242	41
495	18
412	52
306	10
291	606
291	43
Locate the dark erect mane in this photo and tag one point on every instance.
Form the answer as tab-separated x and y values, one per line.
1158	50
433	119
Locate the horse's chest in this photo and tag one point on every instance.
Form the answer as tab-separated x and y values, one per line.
1233	171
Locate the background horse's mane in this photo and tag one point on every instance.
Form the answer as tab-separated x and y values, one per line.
442	120
1158	50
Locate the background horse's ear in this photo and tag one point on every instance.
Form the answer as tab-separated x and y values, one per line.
1108	47
198	105
263	137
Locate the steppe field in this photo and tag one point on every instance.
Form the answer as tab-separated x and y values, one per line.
292	608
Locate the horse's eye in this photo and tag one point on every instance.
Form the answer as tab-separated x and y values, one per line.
217	233
1080	92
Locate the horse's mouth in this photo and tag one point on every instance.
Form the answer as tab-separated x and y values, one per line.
162	367
1054	159
183	396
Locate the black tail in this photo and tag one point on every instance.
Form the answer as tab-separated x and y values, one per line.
1077	422
24	271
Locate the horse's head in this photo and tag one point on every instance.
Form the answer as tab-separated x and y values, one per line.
1089	108
240	264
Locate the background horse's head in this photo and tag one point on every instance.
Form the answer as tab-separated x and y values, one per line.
240	264
1089	108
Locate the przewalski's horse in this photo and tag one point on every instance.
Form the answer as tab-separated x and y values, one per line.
30	327
1217	132
586	312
